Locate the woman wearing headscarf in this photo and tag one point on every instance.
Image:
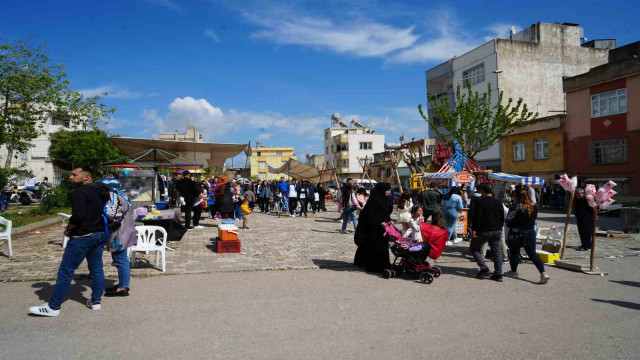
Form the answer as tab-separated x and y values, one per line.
224	196
373	249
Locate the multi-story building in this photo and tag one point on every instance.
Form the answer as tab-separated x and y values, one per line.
346	147
37	157
316	160
263	157
529	65
536	149
603	118
192	134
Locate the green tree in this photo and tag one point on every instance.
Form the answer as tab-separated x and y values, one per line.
475	123
83	147
32	89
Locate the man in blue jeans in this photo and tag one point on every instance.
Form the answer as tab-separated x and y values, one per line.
86	230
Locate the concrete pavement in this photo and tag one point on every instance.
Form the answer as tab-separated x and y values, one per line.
272	243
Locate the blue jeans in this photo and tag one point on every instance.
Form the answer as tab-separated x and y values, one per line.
121	262
238	214
451	216
348	213
529	245
90	247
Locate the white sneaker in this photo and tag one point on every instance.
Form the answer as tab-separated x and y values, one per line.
44	310
511	274
544	278
449	243
457	240
93	306
198	227
293	216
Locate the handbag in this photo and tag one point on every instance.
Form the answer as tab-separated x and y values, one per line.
515	239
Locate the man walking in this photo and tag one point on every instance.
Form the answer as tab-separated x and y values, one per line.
584	219
86	230
430	200
293	197
191	193
487	221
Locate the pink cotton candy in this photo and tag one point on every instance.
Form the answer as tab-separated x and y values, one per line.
590	200
573	184
605	204
609	185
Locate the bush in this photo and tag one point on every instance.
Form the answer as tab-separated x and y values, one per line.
57	197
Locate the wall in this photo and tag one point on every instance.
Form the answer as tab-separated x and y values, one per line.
552	165
377	142
268	155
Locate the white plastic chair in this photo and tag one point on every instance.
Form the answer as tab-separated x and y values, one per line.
65	218
6	234
147	242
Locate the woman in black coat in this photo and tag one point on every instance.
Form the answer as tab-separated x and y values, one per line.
373	248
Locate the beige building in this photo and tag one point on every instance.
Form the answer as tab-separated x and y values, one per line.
263	157
192	134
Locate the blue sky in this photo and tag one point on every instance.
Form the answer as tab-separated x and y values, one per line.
274	72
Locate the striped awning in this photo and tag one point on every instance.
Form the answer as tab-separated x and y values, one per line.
444	175
504	177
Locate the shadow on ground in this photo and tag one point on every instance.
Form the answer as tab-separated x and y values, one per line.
44	290
624	304
625	282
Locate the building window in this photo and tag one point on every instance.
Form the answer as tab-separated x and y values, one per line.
24	156
259	153
262	164
541	148
333	148
611	151
366	146
262	176
326	150
609	103
326	135
278	153
473	76
518	151
59	121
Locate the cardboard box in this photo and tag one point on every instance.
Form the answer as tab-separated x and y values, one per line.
227	232
551	248
548	257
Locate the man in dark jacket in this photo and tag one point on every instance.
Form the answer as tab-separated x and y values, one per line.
86	230
430	201
312	196
584	219
487	220
191	193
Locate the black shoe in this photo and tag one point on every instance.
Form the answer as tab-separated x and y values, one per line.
482	273
124	292
496	277
582	248
111	289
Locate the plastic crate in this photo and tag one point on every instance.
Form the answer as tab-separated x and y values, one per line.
547	257
228	246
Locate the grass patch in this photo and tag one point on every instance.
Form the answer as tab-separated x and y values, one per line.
33	215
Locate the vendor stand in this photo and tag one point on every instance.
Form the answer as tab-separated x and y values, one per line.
140	178
455	179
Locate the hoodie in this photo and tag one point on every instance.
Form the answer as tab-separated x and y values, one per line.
87	206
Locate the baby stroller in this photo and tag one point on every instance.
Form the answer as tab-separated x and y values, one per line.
413	259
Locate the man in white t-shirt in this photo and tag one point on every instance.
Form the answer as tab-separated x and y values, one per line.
532	194
293	196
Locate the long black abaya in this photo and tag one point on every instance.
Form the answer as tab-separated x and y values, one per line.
373	249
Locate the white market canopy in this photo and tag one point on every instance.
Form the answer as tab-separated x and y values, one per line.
164	152
517	179
296	169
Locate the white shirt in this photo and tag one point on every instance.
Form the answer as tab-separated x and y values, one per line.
292	191
532	195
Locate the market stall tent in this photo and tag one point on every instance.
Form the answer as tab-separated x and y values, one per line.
517	179
298	170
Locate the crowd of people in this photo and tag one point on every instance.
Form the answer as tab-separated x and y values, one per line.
369	212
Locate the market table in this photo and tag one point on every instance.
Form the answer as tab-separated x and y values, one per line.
168	220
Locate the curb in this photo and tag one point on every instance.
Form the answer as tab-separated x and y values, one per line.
36	225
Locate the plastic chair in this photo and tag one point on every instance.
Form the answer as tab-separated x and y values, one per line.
65	218
6	234
147	242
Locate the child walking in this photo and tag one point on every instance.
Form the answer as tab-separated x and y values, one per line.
246	210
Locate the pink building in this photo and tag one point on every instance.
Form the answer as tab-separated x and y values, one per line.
602	129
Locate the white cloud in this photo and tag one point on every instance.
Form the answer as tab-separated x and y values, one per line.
212	35
356	37
264	136
114	92
499	31
189	111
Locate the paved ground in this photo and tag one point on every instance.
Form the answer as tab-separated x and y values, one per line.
271	243
327	314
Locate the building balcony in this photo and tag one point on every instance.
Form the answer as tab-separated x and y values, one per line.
342	155
341	139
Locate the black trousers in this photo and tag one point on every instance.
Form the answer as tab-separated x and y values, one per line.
293	204
303	206
313	205
321	205
197	212
585	229
434	217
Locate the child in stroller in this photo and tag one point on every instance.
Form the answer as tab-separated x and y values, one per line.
424	240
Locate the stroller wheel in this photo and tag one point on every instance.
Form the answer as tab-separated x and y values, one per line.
437	272
386	273
393	273
426	278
